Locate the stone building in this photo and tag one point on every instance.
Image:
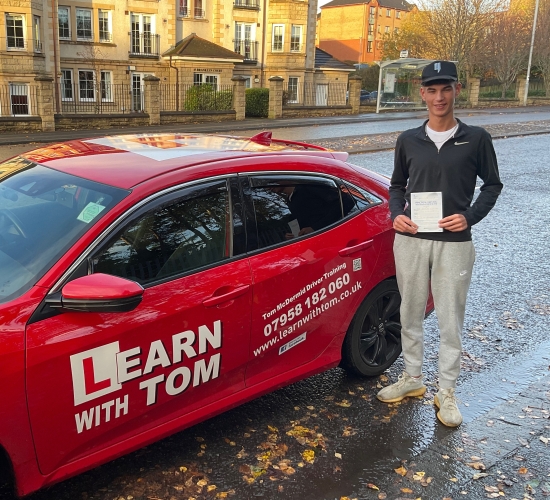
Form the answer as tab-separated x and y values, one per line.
94	48
353	30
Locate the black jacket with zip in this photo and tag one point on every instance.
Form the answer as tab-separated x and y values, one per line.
453	170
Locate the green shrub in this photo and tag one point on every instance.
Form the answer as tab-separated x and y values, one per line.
206	98
257	102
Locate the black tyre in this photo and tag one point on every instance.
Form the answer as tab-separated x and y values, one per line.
373	340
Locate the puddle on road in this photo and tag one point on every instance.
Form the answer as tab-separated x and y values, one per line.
484	392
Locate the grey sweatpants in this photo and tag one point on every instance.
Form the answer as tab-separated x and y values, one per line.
449	267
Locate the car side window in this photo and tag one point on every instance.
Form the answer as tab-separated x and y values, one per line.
291	206
177	236
362	199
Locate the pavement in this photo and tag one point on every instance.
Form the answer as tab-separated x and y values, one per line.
370	120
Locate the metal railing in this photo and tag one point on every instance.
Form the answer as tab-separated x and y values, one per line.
18	100
246	4
246	48
105	37
144	45
100	98
199	13
314	94
180	97
184	11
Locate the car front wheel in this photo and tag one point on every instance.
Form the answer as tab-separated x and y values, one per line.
373	340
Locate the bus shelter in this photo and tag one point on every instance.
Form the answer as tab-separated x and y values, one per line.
399	84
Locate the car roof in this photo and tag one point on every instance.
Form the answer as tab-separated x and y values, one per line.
128	160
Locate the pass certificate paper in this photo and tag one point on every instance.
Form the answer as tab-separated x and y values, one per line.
427	211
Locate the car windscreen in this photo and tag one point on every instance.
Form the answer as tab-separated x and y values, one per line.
42	213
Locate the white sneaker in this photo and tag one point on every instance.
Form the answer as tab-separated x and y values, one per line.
448	413
405	386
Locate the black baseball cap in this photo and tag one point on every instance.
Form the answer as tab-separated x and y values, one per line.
444	71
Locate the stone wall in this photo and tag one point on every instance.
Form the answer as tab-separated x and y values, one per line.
311	111
87	121
169	117
21	124
509	103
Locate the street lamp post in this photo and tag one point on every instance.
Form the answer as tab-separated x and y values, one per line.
531	53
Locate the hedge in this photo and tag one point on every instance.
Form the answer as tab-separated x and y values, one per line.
257	102
207	98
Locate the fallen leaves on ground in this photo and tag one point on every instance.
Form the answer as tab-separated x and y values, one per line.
401	471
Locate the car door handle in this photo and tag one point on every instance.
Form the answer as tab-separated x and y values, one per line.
355	248
220	299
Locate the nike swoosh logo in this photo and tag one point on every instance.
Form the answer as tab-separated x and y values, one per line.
460	143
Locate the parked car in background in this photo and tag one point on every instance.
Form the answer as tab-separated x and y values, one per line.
151	281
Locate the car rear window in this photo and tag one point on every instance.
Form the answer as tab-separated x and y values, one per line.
43	212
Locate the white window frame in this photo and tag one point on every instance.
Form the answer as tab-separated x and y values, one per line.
68	10
300	30
37	33
199	5
207	79
388	12
81	10
274	27
65	72
106	79
18	86
141	29
86	99
109	25
247	82
387	29
398	14
297	80
185	10
14	16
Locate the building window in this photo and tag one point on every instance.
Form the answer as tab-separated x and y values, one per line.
199	9
184	8
372	11
64	24
105	25
86	85
387	29
67	85
296	38
247	82
37	37
398	14
205	79
293	83
19	99
143	29
83	24
379	29
278	40
245	33
388	12
371	29
369	46
396	30
106	86
15	32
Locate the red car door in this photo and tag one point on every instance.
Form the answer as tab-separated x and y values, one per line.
97	379
315	254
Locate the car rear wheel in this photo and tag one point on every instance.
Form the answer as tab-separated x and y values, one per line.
373	340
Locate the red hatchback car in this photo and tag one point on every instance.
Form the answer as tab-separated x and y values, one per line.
148	282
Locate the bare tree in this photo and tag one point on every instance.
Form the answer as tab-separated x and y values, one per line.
506	46
541	52
457	28
412	36
92	57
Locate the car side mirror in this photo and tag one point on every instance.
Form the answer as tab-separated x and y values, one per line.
98	293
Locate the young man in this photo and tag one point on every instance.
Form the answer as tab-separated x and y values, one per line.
432	187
